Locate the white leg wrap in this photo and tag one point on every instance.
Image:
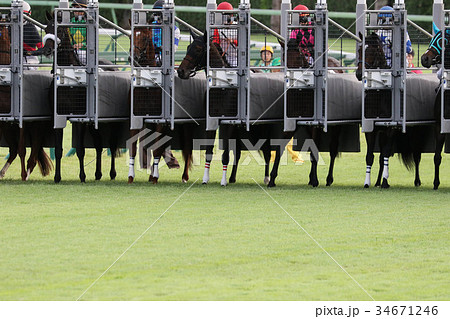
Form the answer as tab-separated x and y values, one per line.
368	170
206	174
131	169
223	182
386	168
155	169
266	180
4	169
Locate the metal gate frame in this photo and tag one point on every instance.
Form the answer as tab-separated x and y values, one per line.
441	19
11	75
313	78
236	78
79	76
393	79
159	76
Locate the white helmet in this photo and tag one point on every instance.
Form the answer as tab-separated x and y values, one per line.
26	8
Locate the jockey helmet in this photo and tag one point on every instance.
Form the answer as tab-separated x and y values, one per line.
385	15
224	6
267	48
26	8
301	7
158	4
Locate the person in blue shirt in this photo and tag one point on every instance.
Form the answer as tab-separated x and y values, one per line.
157	33
386	35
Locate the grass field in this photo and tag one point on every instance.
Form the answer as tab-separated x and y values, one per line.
232	243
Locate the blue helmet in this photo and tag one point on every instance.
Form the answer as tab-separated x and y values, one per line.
385	15
158	4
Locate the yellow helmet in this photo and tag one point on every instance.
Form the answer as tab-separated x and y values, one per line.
267	48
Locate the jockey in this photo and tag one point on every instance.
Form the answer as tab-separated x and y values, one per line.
386	35
227	38
306	36
78	34
157	33
31	39
267	59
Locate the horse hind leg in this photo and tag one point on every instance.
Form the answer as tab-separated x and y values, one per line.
237	157
266	150
417	158
333	154
440	140
211	136
132	156
370	141
79	130
113	140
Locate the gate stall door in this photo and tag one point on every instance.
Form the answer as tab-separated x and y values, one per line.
305	60
76	62
152	63
11	38
384	96
227	65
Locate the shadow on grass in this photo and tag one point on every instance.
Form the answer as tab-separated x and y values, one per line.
244	185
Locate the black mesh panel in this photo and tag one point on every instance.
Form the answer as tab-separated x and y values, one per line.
147	101
377	104
71	100
5	99
300	102
447	105
223	102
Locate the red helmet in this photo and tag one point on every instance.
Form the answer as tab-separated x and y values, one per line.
225	6
301	7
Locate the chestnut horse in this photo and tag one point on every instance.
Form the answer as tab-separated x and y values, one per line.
15	136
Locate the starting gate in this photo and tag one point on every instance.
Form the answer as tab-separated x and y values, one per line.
384	90
152	85
228	88
441	18
76	82
11	54
305	97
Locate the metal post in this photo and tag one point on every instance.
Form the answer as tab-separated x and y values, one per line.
16	60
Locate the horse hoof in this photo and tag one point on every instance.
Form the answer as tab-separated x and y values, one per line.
150	178
377	184
417	183
155	180
313	183
184	181
266	180
270	185
366	185
57	179
232	180
385	184
98	176
112	175
130	179
436	185
330	181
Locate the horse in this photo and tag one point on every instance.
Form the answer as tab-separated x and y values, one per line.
66	56
13	134
194	61
296	59
433	56
375	59
144	53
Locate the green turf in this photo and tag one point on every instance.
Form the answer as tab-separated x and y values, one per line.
232	243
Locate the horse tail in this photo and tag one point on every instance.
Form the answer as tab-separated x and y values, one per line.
405	151
44	162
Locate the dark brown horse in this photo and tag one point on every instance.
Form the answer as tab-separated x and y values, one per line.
195	60
61	44
431	57
15	137
144	53
389	138
296	59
